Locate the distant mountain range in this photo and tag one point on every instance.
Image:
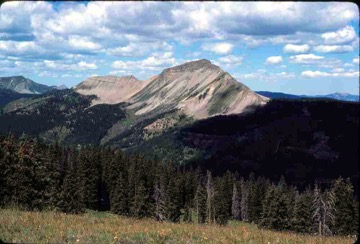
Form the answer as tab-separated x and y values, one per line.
337	96
197	114
17	87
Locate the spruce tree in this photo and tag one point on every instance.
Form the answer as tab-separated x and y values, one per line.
302	213
221	203
345	219
200	203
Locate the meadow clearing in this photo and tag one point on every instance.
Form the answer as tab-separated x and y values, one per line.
103	227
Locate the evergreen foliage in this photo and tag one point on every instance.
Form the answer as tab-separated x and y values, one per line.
36	176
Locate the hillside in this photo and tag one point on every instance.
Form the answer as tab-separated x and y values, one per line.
51	227
7	96
300	139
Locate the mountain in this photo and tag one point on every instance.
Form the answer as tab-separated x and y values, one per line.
337	96
197	114
341	96
22	85
198	89
110	89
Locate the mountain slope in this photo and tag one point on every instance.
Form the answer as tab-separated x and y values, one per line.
22	85
300	139
110	89
198	89
7	96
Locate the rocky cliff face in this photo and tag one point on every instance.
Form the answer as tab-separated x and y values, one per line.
199	89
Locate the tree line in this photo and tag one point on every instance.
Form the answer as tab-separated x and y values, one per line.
37	176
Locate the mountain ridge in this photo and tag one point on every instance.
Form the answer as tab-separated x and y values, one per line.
23	85
343	96
197	88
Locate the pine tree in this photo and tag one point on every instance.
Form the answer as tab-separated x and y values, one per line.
221	203
88	172
302	213
173	200
71	196
120	200
200	203
345	221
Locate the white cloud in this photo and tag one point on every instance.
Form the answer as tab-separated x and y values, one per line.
156	62
274	60
312	59
348	65
83	43
305	58
316	74
333	48
230	60
291	48
60	66
137	49
344	35
221	48
263	75
356	60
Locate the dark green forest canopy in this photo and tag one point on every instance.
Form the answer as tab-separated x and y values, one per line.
36	176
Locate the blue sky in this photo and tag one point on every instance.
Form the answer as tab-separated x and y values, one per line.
293	47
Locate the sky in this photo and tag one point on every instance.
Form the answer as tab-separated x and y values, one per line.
294	47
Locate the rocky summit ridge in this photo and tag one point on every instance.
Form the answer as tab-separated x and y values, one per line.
198	88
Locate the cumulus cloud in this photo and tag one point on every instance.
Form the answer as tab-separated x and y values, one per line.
230	60
344	35
356	60
305	58
263	75
83	43
155	62
60	66
221	48
317	73
70	32
333	48
137	49
273	60
319	61
291	48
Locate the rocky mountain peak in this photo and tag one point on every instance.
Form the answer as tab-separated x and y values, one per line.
191	66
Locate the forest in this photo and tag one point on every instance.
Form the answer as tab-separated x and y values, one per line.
39	176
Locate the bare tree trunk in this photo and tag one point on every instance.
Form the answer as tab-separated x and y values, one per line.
235	203
209	197
244	201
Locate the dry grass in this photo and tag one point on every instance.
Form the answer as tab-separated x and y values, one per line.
101	227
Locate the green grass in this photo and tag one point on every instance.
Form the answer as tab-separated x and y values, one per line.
103	227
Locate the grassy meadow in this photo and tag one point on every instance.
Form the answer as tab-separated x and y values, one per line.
103	227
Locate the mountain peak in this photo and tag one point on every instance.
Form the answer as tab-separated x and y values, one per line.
21	84
192	66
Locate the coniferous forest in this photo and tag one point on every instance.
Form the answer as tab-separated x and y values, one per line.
38	176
